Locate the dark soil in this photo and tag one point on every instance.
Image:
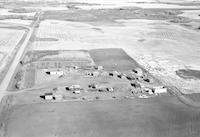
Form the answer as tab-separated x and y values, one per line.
188	73
113	59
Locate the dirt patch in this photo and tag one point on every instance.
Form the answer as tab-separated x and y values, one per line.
188	73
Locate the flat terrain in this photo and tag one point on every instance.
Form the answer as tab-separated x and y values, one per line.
113	59
160	46
9	43
100	63
155	117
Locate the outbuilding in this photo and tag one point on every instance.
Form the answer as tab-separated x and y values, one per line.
77	92
98	67
59	73
160	90
48	96
138	71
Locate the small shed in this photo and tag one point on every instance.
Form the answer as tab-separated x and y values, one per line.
130	78
77	92
59	73
75	67
136	85
121	76
94	74
98	67
48	97
138	71
148	90
110	89
160	90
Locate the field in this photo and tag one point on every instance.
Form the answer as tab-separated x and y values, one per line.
155	117
9	42
113	59
194	14
9	39
16	21
13	27
188	74
6	12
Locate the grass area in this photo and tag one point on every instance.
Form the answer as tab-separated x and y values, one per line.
155	117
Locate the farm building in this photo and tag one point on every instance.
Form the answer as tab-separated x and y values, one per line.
59	73
47	96
98	67
160	90
77	92
138	71
94	74
73	87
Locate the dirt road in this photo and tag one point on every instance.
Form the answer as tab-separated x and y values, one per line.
16	60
